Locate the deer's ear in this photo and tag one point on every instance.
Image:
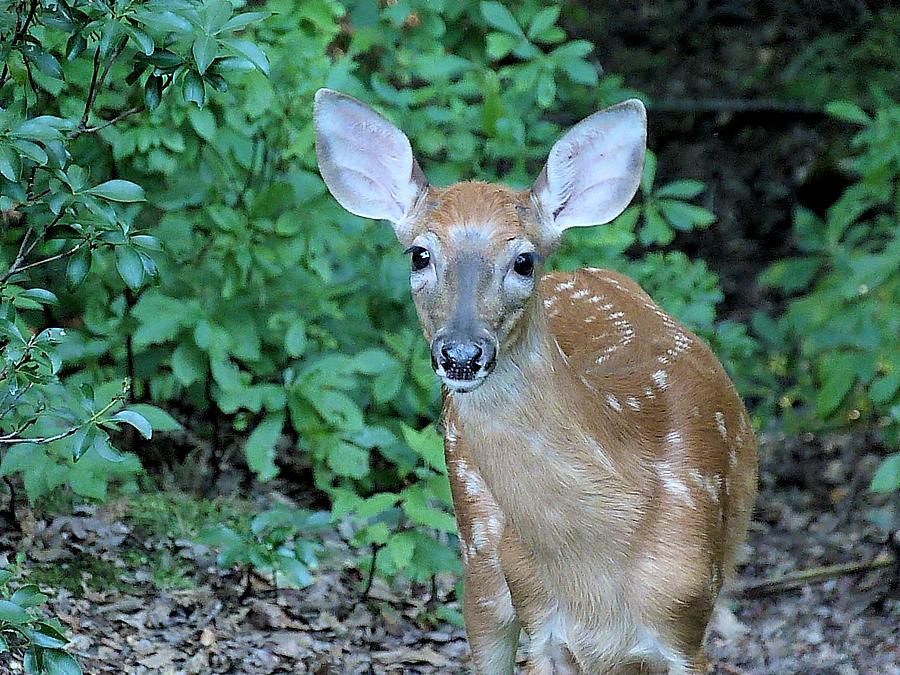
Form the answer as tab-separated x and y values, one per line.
366	162
593	171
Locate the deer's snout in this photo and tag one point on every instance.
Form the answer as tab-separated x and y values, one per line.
462	359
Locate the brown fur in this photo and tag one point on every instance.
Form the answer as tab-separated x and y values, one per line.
603	475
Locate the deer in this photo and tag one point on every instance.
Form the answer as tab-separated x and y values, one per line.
602	465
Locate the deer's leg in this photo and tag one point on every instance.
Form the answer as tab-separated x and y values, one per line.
491	623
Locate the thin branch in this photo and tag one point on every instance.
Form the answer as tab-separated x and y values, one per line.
121	116
812	575
7	440
729	105
21	30
64	254
92	88
24	251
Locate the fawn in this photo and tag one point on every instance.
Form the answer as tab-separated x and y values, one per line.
602	465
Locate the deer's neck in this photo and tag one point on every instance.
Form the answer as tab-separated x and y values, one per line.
538	441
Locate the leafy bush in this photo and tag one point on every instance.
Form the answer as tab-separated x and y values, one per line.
277	318
277	543
24	632
836	343
68	212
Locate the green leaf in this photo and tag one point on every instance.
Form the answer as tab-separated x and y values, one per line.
498	16
887	477
260	447
542	21
59	662
28	596
296	572
546	89
103	448
398	551
249	51
346	459
581	71
13	613
684	216
240	21
158	418
21	456
838	382
188	364
135	419
655	230
885	387
143	41
295	338
427	444
153	92
649	174
77	267
41	295
682	189
32	151
193	89
499	45
118	190
10	163
205	49
848	112
130	266
376	504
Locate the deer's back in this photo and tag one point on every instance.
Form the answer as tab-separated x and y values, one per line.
673	403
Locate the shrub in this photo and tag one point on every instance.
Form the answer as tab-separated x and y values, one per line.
836	342
272	313
86	67
24	632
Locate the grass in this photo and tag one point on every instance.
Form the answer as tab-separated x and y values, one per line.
157	520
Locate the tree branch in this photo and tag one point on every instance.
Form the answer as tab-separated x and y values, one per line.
812	575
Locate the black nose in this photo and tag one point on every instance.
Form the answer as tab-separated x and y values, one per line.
460	360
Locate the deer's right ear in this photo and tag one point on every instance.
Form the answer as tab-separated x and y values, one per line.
366	162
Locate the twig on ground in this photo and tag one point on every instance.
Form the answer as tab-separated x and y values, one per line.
811	575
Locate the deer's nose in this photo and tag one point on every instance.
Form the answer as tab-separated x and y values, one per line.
461	359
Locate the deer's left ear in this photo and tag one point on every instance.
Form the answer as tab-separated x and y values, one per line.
593	171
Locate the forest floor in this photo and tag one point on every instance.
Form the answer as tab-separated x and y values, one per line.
140	596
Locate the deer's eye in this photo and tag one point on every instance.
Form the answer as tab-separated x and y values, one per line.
420	258
524	264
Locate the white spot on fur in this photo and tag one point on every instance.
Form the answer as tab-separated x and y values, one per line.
675	441
720	424
578	295
672	484
472	483
450	438
549	302
590	319
660	378
565	285
614	402
595	298
633	403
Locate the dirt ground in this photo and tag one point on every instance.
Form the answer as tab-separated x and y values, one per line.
812	511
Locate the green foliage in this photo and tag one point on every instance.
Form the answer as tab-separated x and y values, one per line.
837	340
27	634
206	260
63	63
277	542
846	64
